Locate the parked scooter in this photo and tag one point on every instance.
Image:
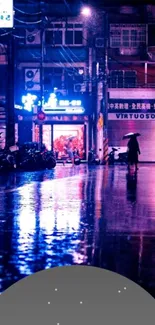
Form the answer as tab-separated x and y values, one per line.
122	157
111	159
93	159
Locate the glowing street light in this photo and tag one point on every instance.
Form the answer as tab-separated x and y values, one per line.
86	11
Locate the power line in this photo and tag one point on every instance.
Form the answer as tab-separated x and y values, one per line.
28	23
27	13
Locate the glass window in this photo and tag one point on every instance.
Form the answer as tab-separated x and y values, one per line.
134	38
53	37
58	26
125	38
78	37
78	26
142	36
49	37
69	26
69	37
116	41
57	37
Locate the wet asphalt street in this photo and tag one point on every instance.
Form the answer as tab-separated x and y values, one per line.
78	215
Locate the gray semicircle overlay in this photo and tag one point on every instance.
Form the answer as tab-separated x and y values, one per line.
79	295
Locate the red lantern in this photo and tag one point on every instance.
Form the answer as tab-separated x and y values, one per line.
41	116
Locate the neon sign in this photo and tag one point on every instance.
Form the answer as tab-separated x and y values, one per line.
52	106
55	106
28	102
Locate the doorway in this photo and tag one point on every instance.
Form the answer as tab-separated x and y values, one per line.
57	137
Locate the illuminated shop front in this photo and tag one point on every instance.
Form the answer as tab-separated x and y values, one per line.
66	124
133	115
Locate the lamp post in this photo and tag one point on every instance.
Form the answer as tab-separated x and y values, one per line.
88	12
10	115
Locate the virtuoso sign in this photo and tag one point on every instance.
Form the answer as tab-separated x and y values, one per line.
6	13
131	116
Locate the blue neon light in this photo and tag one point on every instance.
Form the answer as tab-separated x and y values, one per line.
52	105
28	102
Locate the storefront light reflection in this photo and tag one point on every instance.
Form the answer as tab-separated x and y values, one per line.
26	221
48	223
65	208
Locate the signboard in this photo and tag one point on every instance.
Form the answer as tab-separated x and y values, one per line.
55	106
131	105
131	116
6	13
133	93
59	118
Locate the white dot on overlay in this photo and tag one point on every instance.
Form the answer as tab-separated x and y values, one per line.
81	302
56	289
119	291
124	288
48	302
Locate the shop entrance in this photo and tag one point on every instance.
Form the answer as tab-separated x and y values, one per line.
59	137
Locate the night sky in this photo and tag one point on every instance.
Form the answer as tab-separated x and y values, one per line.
99	3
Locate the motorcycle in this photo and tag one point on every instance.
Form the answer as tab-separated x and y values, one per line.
7	161
29	158
48	160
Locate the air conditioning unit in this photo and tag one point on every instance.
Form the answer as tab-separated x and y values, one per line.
99	42
33	37
79	88
60	92
32	79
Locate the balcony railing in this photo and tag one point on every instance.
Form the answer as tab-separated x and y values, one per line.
126	86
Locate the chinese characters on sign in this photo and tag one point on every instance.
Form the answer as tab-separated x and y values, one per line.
6	13
130	105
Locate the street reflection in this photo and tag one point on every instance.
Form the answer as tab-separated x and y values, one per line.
92	216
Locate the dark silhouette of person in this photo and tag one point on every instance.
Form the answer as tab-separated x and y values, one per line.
133	152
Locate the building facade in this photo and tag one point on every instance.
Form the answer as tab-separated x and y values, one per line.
59	60
132	77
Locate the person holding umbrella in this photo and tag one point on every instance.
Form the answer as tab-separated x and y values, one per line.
133	149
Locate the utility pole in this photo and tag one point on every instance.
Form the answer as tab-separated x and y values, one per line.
102	88
41	69
10	114
105	89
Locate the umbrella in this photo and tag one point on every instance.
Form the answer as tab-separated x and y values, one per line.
71	138
130	135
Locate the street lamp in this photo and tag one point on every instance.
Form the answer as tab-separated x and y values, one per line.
86	11
99	24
